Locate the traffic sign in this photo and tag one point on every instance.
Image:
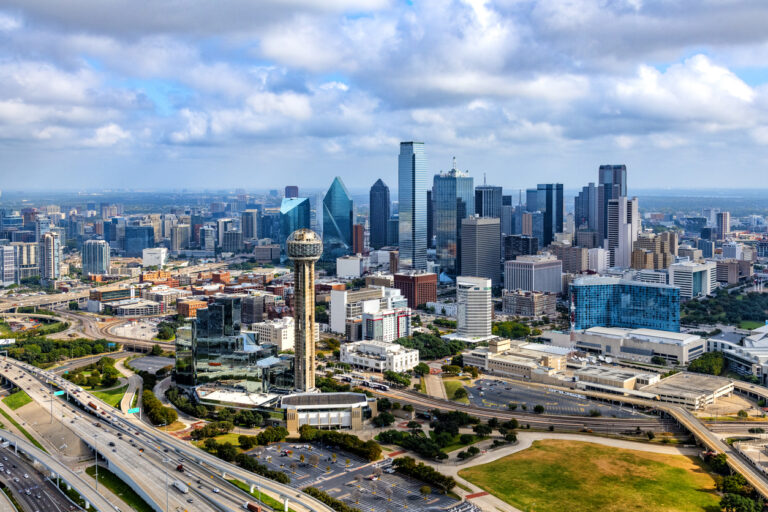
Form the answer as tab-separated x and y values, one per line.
133	410
59	392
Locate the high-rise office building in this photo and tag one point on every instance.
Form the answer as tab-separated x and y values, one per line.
50	258
585	208
95	256
380	208
723	225
623	229
418	287
222	226
412	205
338	211
42	226
181	234
233	241
474	307
520	245
27	261
538	273
453	199
291	191
207	238
8	270
138	238
480	237
550	203
304	247
294	215
707	247
430	221
612	184
249	224
532	200
693	279
488	201
358	239
613	302
393	231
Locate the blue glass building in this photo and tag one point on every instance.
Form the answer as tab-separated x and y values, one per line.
380	213
138	238
338	210
294	214
613	302
549	202
412	205
453	199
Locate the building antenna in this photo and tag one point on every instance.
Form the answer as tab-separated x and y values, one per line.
454	162
520	197
484	183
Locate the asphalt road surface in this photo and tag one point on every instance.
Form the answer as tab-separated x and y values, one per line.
151	364
498	394
43	495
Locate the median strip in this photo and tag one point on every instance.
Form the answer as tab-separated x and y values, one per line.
21	429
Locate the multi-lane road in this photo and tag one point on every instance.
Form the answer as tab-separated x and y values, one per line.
161	452
31	489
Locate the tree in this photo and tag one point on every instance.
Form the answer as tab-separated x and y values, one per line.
711	363
472	370
460	393
658	360
414	425
425	491
742	413
384	419
482	430
421	369
157	350
74	306
736	503
538	409
719	464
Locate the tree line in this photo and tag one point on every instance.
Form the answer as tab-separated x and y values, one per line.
369	450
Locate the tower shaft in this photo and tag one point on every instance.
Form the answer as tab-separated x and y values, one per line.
304	316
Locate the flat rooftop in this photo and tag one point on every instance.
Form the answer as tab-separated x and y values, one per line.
321	399
652	335
689	385
605	372
234	397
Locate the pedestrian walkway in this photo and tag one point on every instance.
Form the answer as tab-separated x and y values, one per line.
434	385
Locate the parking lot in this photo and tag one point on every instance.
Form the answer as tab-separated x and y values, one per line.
369	487
498	394
151	364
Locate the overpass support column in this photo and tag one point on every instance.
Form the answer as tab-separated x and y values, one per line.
87	505
252	488
285	504
224	475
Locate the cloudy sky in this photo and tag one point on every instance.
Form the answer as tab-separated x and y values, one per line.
237	93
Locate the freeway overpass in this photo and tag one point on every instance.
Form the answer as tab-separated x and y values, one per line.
151	470
59	471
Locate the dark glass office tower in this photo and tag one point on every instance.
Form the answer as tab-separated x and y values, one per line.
488	201
338	212
550	203
138	238
412	205
453	199
294	214
612	185
380	207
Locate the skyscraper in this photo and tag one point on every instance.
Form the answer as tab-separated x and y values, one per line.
488	201
222	226
50	258
623	228
453	199
380	206
304	247
358	239
95	257
612	185
180	237
138	238
412	205
474	307
480	252
585	208
207	238
294	215
723	224
549	200
7	265
291	191
249	224
338	211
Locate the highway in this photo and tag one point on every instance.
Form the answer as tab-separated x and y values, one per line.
197	463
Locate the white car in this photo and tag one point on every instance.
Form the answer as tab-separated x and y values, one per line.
216	489
26	475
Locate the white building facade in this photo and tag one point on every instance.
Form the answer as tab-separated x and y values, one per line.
474	307
379	356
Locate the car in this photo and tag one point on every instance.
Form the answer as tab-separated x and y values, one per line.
26	475
190	500
38	496
216	489
114	450
111	443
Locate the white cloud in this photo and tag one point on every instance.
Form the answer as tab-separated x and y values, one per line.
106	136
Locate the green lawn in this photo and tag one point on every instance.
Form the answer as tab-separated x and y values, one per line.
751	324
112	482
221	439
450	389
112	397
455	444
17	399
24	432
267	500
555	475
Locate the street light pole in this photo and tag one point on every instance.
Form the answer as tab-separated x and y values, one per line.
165	460
96	460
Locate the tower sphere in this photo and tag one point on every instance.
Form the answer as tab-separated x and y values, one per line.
304	245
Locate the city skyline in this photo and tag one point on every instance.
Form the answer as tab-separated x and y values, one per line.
267	94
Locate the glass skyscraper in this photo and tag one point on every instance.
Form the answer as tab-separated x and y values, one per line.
612	185
549	199
613	302
138	238
412	205
338	211
379	214
488	201
294	214
453	199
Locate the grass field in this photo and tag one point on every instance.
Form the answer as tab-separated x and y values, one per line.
267	500
456	445
112	397
751	324
223	438
450	388
555	475
112	482
17	399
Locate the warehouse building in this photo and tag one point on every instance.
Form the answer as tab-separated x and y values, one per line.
641	345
